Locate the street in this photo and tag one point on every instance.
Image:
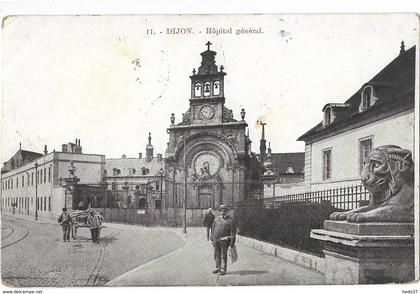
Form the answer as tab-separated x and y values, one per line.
34	255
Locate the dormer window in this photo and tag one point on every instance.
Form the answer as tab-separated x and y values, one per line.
116	172
131	171
367	99
328	116
207	89
290	170
197	90
216	88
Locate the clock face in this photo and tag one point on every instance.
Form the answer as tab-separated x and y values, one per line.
206	112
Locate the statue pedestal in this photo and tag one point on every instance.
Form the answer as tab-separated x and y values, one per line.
367	253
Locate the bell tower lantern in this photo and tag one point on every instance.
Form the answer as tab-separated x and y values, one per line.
207	89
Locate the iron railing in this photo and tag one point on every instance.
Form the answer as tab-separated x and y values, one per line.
342	198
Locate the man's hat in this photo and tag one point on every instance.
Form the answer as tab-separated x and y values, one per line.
209	210
64	209
223	207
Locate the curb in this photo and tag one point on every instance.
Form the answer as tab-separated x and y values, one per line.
306	260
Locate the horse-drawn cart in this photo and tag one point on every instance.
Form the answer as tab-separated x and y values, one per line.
79	219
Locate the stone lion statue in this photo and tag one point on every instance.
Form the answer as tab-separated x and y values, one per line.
388	174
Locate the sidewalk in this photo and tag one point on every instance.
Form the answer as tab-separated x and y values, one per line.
192	265
30	218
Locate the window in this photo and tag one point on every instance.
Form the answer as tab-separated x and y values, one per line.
45	175
158	204
327	116
40	177
367	99
17	182
45	203
157	186
49	203
216	88
144	171
207	89
326	164
137	187
116	171
365	146
131	171
113	186
49	174
197	90
290	170
23	180
32	178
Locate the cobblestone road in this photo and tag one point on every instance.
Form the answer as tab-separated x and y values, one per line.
34	255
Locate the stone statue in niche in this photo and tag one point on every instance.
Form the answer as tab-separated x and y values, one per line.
388	174
205	171
205	174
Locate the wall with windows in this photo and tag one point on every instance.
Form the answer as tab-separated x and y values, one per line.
19	186
346	149
26	185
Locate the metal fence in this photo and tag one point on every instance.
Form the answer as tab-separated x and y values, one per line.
342	198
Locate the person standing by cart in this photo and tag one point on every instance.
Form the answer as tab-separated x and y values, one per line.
65	221
101	219
94	224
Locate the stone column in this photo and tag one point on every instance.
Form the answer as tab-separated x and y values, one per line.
367	253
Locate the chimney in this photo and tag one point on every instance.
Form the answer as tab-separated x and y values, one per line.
79	142
45	150
140	155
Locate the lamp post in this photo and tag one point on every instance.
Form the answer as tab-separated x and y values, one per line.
36	191
184	225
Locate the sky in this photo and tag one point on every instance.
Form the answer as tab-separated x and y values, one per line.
104	80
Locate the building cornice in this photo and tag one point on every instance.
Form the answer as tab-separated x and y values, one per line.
237	124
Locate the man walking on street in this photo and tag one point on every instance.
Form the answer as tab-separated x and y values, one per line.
208	221
93	222
65	221
223	236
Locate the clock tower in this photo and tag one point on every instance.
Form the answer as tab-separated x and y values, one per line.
208	153
207	90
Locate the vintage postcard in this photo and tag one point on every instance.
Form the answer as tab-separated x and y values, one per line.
209	150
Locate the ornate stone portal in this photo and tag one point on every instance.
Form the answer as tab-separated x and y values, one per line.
208	150
375	243
206	181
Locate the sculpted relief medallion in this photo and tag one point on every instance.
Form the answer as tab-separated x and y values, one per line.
206	163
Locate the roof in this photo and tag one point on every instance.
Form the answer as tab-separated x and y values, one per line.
124	164
393	85
282	161
25	155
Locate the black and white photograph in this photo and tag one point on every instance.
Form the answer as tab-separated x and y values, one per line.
209	150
